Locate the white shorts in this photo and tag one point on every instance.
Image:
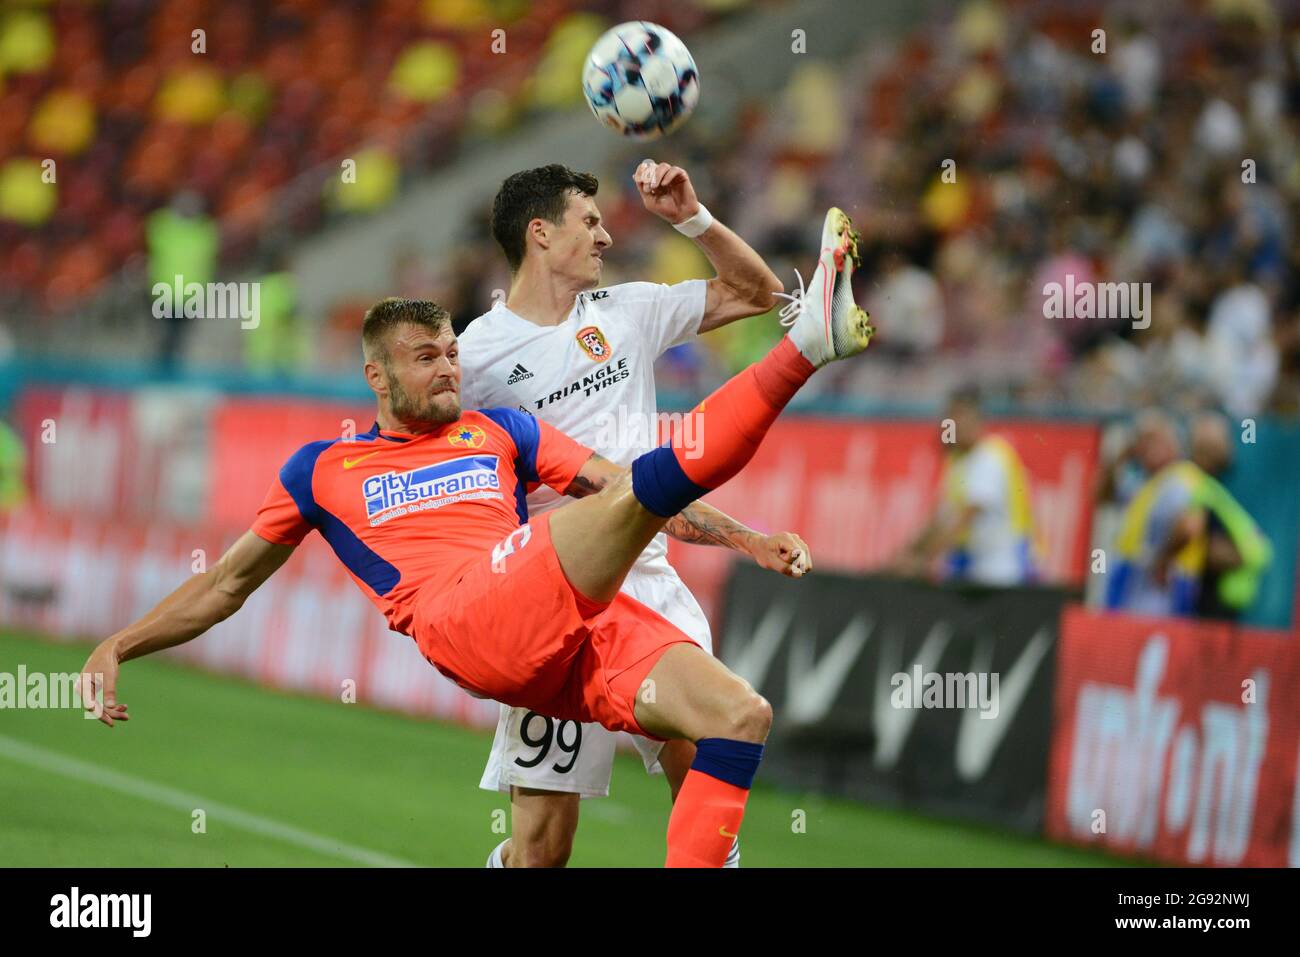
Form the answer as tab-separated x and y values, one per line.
534	751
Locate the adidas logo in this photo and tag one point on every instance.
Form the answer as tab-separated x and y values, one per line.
518	374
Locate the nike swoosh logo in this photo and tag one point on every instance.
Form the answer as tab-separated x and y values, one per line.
722	829
348	463
893	725
758	644
978	738
811	688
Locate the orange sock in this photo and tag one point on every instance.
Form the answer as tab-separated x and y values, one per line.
735	418
711	804
705	821
731	423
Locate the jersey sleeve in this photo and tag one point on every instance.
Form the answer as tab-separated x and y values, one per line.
279	520
559	457
667	315
287	512
545	454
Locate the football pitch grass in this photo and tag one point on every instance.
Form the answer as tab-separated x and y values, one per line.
286	780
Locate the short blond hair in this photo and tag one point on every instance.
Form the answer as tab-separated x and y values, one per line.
391	313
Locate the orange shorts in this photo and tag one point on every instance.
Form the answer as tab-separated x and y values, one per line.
511	630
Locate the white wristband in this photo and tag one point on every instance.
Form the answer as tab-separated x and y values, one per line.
696	224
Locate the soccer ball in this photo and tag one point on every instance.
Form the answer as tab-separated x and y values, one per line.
640	80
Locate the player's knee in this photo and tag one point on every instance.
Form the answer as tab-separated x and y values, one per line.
750	718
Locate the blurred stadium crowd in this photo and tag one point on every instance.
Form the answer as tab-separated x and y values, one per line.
991	151
225	106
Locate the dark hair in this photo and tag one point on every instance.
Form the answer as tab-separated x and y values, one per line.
388	314
541	193
966	395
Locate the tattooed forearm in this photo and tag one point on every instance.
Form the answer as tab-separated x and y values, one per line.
698	523
702	524
582	486
596	473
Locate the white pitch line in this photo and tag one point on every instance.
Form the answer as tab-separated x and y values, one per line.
84	771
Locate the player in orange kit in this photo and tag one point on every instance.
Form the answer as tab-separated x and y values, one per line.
426	511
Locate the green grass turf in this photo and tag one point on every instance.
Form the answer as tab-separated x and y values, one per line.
393	785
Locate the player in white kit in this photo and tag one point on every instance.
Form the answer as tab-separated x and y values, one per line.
582	359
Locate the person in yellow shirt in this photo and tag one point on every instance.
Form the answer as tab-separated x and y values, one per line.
983	524
1183	532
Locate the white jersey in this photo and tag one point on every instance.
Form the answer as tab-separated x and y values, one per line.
998	548
591	376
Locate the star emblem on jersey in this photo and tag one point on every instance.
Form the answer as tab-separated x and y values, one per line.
466	437
593	343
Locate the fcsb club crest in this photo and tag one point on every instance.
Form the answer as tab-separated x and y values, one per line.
467	437
593	343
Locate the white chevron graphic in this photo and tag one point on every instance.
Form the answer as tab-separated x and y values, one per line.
812	689
978	739
893	725
755	658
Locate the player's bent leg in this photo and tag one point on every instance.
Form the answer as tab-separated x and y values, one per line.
696	696
598	539
690	694
639	672
542	828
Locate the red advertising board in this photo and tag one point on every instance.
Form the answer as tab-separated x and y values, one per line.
253	438
82	449
1176	740
309	628
858	491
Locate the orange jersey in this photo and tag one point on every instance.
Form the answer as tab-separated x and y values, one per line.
403	511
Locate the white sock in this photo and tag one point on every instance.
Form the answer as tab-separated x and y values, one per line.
494	859
733	856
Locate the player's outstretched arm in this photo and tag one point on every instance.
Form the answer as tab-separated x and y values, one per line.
702	524
186	613
744	283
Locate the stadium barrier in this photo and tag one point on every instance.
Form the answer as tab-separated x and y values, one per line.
308	629
856	490
1176	740
846	662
